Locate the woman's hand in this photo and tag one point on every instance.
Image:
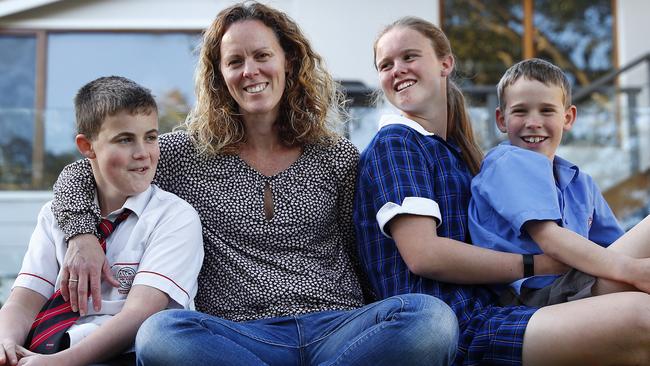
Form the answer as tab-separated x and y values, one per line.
83	266
8	352
29	358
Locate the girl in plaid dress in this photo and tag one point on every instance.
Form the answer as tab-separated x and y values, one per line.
411	221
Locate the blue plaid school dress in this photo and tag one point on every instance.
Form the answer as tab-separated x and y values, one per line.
404	161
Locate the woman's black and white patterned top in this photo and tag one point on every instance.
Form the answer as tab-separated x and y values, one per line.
301	260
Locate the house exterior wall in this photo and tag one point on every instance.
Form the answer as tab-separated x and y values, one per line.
633	30
18	214
342	31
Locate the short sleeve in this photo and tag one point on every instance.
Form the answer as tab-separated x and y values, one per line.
40	267
518	185
174	254
401	181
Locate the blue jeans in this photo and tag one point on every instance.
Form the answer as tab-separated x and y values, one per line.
411	329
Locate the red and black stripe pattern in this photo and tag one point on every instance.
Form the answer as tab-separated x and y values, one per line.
48	330
50	325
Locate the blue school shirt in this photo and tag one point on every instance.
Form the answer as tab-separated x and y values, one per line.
516	185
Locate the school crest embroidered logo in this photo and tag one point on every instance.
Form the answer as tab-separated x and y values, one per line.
125	277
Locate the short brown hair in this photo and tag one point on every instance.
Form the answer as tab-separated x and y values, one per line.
534	69
107	96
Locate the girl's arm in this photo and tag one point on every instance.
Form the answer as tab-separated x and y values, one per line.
115	335
16	318
428	255
396	167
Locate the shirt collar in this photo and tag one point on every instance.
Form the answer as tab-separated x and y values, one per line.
395	119
135	204
565	171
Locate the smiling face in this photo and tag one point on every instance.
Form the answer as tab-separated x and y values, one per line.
124	156
412	77
535	117
253	66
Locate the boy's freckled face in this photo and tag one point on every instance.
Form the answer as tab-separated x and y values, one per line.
535	117
126	153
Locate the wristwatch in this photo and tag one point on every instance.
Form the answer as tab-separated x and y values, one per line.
529	265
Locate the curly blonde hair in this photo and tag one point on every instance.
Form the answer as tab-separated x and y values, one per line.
311	103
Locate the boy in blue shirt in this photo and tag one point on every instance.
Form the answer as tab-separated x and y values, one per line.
527	200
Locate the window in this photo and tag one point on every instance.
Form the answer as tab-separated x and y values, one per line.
17	98
32	156
485	36
489	36
575	35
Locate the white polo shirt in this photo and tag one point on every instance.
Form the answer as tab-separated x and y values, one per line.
159	245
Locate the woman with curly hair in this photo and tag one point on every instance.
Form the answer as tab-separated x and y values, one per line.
273	184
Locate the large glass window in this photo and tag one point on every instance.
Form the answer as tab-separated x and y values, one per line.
486	37
162	62
489	36
575	35
17	98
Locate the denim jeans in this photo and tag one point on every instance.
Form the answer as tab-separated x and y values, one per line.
411	329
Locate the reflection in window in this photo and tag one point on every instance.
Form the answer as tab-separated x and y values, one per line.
163	63
575	35
488	36
485	36
17	85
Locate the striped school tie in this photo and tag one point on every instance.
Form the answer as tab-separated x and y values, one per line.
56	316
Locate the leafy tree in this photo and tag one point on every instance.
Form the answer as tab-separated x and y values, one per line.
487	36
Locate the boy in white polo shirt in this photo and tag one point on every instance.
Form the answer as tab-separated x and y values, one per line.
155	253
